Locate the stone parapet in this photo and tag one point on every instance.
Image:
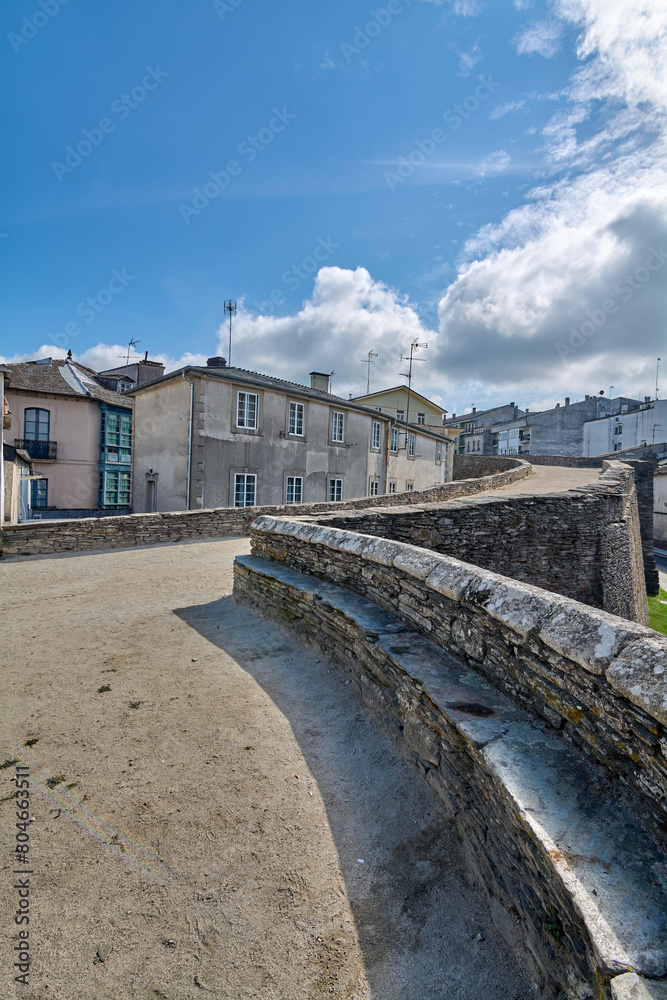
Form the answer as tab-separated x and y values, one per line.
597	678
90	533
580	884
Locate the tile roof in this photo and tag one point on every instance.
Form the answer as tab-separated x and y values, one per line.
62	378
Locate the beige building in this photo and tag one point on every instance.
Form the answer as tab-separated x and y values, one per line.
224	437
78	435
396	402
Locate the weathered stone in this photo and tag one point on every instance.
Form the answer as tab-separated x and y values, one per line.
640	673
630	986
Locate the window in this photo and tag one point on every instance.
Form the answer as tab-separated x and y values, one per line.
246	414
618	446
379	409
394	439
338	426
409	487
39	493
296	415
116	437
335	490
375	488
438	452
392	487
294	489
400	414
116	488
411	445
618	429
37	425
421	418
245	488
376	435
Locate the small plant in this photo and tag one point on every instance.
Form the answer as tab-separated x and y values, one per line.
31	743
9	763
57	780
135	704
105	687
555	929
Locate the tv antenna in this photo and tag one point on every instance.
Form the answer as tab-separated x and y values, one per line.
414	346
133	343
657	372
369	361
230	307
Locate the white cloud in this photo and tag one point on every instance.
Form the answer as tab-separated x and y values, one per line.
468	8
509	107
103	357
539	38
583	262
468	60
494	164
347	315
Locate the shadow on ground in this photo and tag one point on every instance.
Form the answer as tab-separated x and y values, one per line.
422	919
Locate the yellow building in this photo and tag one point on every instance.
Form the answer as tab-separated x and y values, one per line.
395	403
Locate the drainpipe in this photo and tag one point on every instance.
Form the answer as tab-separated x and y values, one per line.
187	484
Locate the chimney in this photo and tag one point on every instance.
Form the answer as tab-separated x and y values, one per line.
474	409
319	381
512	404
216	363
567	400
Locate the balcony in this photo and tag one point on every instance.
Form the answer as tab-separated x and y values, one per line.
39	451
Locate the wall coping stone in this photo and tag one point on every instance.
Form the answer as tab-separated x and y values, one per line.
611	871
592	638
632	987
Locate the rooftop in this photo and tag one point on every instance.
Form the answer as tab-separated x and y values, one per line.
61	378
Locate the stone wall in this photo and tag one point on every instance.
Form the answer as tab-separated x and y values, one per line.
577	878
87	534
583	544
598	678
473	466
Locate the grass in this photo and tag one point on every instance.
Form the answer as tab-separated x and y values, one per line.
657	612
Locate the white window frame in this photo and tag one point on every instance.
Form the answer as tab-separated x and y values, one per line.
421	419
374	488
297	417
394	441
242	417
438	452
411	445
293	486
338	426
335	488
409	487
400	414
377	436
392	487
246	477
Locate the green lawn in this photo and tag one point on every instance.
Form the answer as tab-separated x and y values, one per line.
657	612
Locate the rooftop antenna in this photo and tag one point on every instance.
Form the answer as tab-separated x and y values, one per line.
657	371
414	346
369	361
230	307
133	343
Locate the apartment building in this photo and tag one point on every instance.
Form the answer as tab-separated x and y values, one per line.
224	437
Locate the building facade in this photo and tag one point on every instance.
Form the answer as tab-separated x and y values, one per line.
397	401
631	425
473	430
224	437
78	434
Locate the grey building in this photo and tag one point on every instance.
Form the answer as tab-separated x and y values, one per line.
475	435
224	437
558	431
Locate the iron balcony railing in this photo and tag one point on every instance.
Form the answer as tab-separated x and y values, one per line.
38	449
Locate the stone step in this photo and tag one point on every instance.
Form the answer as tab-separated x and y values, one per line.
557	840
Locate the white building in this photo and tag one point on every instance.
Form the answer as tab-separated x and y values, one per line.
645	424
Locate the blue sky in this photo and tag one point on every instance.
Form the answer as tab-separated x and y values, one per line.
482	176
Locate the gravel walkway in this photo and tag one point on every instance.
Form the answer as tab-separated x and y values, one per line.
215	813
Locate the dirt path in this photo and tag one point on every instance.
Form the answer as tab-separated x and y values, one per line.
227	819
